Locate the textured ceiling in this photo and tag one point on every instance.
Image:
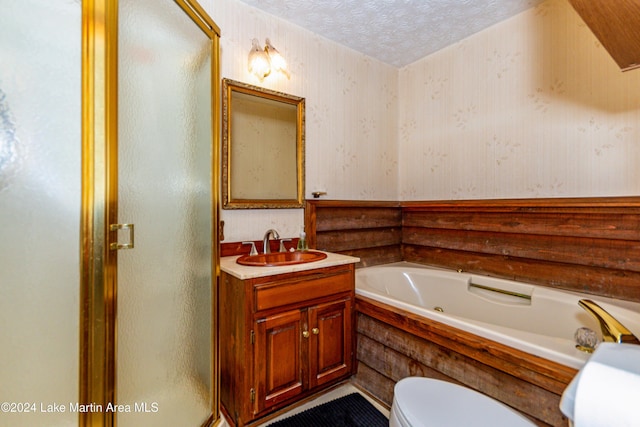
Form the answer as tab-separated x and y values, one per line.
397	32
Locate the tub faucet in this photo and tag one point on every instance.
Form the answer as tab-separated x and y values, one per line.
265	239
612	330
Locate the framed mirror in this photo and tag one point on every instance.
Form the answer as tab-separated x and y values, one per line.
262	148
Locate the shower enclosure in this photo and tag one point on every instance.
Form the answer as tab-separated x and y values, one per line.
108	117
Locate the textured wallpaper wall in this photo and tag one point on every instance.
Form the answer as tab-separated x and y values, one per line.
351	113
532	107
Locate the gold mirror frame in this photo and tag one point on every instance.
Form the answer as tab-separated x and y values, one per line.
260	122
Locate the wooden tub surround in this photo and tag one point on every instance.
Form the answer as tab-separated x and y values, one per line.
394	344
588	245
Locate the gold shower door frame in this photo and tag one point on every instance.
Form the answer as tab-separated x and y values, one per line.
98	275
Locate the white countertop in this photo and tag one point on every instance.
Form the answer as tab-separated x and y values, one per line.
229	265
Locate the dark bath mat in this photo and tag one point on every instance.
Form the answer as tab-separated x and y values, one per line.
352	410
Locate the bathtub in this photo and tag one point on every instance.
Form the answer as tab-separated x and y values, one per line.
533	319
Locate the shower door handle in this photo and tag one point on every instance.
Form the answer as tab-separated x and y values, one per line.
116	246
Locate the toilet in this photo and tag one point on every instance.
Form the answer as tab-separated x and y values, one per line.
419	402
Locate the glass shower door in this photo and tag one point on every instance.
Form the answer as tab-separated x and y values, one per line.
40	183
164	354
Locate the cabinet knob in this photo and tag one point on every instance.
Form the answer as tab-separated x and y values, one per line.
315	331
305	334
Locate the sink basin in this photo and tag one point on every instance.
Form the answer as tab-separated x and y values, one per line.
277	259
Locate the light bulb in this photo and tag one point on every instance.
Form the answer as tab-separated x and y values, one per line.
259	63
277	61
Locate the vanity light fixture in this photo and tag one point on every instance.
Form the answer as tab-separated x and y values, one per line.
262	61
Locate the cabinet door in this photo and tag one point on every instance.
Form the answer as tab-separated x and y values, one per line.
330	344
278	358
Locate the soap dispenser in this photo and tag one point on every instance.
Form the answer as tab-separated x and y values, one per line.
302	242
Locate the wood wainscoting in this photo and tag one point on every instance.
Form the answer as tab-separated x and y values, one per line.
583	245
371	231
589	245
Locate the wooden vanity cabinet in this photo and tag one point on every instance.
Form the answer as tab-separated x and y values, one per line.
284	337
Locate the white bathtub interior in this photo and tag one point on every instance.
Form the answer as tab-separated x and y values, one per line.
539	320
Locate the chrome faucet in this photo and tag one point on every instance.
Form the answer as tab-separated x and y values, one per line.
612	330
265	239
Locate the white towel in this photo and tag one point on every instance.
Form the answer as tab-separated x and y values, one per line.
608	388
